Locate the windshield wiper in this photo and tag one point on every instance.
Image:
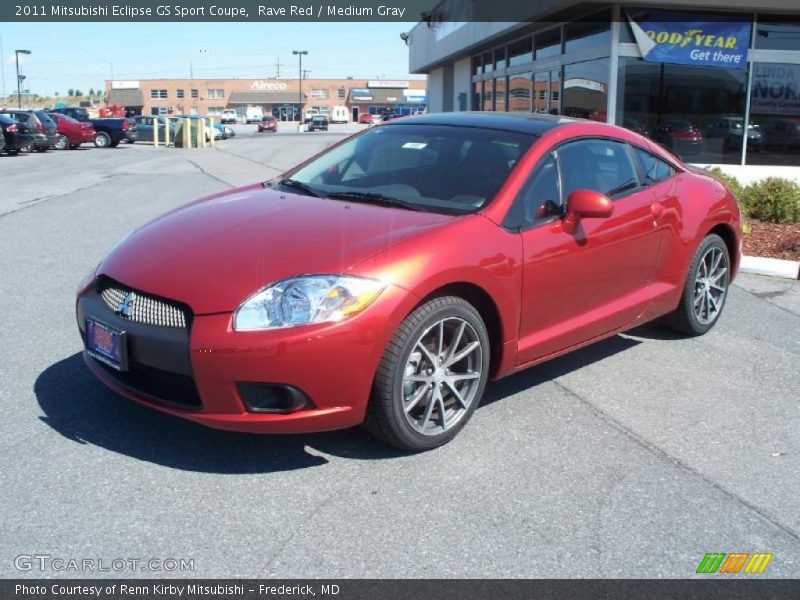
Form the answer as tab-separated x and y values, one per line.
374	198
299	185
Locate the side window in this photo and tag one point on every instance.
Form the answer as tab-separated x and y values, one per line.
601	165
540	197
654	168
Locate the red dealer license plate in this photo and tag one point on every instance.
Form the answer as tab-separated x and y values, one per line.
106	344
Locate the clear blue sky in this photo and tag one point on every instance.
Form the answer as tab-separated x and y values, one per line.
79	55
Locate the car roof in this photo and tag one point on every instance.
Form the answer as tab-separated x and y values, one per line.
520	122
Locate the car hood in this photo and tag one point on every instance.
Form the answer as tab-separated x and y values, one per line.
216	252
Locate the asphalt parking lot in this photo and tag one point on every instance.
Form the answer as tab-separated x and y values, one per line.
631	458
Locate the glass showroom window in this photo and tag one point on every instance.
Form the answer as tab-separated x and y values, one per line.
594	30
777	33
488	62
477	65
488	95
500	94
547	43
586	90
520	92
774	128
686	109
477	95
520	52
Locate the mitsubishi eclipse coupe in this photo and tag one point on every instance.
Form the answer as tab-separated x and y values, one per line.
387	279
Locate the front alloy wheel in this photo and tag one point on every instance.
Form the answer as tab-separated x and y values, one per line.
431	377
705	290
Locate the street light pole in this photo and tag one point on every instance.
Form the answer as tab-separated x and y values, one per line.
19	77
3	69
300	54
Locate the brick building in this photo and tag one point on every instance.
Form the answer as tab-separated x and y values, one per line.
279	97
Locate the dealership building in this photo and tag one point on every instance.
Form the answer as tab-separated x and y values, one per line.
282	98
691	74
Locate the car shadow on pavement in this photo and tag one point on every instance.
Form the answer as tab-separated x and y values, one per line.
557	367
83	410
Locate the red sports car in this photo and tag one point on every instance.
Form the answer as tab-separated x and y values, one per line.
387	279
71	133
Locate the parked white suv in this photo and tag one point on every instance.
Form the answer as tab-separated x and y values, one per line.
229	116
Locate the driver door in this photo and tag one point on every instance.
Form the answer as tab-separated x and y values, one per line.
578	286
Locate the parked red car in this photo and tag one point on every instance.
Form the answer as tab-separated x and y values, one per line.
367	118
387	279
680	137
71	133
268	124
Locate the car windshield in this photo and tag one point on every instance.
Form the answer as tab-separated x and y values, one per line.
438	168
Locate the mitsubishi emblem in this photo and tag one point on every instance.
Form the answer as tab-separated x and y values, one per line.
125	305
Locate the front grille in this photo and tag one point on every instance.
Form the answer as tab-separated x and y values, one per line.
141	308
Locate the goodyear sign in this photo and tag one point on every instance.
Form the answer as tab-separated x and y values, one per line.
667	37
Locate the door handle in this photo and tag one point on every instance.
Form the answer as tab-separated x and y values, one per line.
657	209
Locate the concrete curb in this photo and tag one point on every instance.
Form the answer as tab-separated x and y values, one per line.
772	267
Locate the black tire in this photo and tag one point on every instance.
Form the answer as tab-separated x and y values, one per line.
687	318
62	142
386	417
102	139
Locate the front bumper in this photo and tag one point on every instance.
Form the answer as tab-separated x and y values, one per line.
194	373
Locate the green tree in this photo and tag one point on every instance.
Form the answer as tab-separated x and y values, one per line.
78	93
91	91
70	92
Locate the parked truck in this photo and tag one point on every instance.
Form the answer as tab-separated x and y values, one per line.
340	114
109	132
253	114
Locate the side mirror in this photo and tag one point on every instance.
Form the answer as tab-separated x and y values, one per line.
586	204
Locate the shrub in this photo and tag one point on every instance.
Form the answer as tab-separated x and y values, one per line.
773	199
729	180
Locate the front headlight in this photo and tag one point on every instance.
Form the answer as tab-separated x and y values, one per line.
304	300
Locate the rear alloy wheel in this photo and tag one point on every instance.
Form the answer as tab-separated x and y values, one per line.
62	143
102	140
431	377
705	290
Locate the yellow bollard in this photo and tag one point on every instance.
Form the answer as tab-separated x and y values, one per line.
187	140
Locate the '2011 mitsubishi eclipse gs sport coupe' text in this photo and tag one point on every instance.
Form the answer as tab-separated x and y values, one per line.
385	280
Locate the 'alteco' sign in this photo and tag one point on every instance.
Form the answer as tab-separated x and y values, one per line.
271	86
